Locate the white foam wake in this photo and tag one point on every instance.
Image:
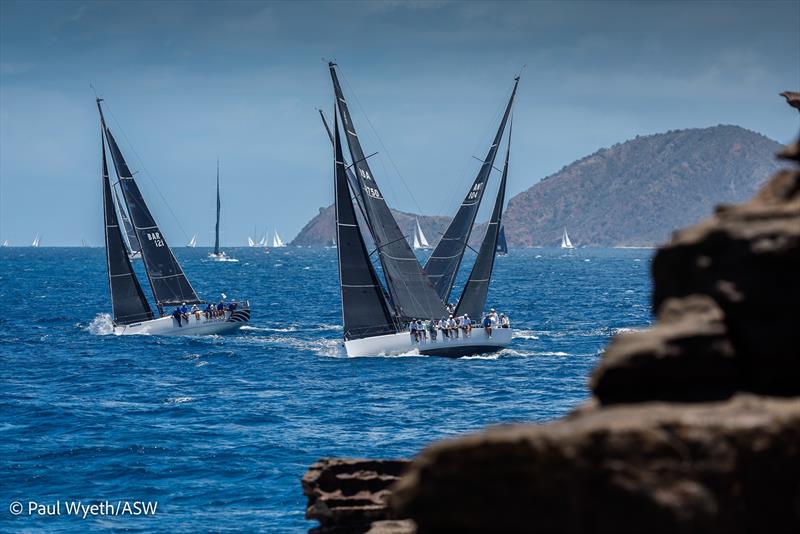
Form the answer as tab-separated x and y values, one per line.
101	325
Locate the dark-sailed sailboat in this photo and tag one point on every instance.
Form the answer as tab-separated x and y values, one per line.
168	283
375	316
218	255
502	244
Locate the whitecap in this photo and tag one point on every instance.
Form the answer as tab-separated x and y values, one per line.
101	325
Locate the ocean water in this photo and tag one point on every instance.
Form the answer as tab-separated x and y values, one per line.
219	429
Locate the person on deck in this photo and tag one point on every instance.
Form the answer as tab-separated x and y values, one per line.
432	328
466	325
209	311
443	327
413	329
504	323
451	325
221	308
177	315
196	311
487	324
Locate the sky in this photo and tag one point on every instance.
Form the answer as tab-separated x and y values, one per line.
187	82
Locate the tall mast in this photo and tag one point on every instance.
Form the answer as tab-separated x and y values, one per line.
216	238
443	264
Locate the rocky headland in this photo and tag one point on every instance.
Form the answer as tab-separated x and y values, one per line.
693	424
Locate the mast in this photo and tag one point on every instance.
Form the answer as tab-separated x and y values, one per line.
411	292
128	303
473	297
167	280
216	238
443	264
365	311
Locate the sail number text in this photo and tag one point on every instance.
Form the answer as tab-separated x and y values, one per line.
155	237
476	189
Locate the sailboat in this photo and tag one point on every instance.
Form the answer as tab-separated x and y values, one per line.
375	317
36	241
5	243
277	242
168	283
420	243
218	255
565	242
502	246
192	242
250	242
84	244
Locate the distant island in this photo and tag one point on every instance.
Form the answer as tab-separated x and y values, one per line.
632	194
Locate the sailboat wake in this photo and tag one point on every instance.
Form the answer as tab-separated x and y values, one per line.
101	325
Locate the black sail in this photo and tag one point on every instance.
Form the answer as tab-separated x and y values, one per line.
133	241
128	303
365	312
167	280
445	260
411	292
216	238
502	244
351	178
473	297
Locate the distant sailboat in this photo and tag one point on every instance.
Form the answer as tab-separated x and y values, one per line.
84	244
36	241
565	242
374	316
218	255
419	238
192	242
250	242
5	243
277	242
263	241
168	283
502	246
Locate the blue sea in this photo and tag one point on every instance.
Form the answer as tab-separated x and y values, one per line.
219	429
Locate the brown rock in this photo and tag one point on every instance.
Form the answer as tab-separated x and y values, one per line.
729	466
346	496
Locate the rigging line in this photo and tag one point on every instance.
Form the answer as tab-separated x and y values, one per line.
147	172
386	150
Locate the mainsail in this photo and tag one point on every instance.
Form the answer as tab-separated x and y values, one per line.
502	245
565	242
277	242
128	303
411	292
216	228
192	242
445	260
473	297
133	241
364	309
167	280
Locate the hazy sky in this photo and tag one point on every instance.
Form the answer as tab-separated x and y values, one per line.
190	81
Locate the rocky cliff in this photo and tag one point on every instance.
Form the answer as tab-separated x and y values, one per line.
693	425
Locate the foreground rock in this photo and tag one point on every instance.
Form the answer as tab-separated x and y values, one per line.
346	496
711	467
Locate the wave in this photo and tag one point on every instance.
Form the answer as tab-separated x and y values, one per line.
101	325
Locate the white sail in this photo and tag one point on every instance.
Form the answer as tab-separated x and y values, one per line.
250	242
422	241
35	243
193	241
565	242
263	242
5	243
277	242
416	241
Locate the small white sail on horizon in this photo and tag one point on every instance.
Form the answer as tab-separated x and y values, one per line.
277	242
565	242
250	242
420	242
5	243
192	242
36	241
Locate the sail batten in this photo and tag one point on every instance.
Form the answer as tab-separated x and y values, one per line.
167	279
444	262
365	311
476	290
411	292
128	302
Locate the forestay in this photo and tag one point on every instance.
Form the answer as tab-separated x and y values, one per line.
445	260
128	303
167	280
411	292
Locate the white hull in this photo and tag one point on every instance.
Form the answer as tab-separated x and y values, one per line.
403	343
168	326
221	257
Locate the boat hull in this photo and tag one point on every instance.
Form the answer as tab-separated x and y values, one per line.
402	343
168	326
